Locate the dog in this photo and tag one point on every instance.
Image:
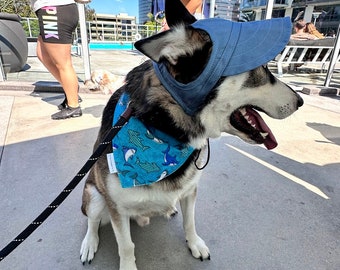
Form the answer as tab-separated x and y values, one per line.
104	81
196	85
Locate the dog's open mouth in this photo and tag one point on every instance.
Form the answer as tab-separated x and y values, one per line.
249	121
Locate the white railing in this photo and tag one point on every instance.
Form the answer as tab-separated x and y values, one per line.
314	56
101	31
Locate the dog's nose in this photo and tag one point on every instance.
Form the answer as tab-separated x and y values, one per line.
300	100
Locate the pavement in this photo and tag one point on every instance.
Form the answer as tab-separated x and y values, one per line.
256	209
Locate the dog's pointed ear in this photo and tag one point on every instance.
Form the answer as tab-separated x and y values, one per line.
167	45
176	13
172	43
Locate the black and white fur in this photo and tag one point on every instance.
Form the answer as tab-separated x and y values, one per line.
185	51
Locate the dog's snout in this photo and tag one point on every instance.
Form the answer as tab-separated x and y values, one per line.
300	100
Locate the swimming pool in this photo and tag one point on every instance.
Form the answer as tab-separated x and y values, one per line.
111	46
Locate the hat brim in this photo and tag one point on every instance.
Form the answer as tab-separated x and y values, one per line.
244	46
259	42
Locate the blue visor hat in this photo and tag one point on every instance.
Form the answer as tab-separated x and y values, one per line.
237	48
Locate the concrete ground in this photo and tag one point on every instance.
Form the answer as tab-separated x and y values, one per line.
256	209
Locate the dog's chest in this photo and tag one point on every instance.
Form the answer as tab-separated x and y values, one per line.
154	200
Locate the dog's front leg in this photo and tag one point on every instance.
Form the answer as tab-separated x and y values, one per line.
196	245
126	248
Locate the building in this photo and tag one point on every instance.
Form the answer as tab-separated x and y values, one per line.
121	27
324	14
145	7
149	6
226	9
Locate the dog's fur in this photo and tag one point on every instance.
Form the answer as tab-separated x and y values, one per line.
185	51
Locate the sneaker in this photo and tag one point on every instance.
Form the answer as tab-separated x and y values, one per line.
67	112
63	105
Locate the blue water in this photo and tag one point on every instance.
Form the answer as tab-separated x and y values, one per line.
111	46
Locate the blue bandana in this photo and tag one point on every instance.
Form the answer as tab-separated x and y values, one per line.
144	155
237	48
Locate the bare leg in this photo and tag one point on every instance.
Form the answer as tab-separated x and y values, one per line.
57	59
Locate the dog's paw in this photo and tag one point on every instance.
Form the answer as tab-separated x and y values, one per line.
172	213
88	248
199	249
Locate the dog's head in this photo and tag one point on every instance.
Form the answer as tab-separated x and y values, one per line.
216	72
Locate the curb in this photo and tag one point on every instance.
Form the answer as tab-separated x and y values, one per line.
320	90
39	86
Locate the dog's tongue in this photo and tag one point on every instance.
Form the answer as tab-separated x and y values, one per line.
270	141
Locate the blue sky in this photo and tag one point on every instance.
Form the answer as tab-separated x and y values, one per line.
115	6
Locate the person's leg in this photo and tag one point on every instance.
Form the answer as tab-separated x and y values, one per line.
57	59
56	24
44	58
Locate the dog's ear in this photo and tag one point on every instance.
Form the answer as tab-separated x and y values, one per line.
176	13
174	42
170	45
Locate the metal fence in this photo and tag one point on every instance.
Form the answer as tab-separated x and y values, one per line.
108	31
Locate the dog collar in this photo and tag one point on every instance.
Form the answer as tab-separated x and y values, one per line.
237	48
144	155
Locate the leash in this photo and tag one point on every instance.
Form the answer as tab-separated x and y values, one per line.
124	117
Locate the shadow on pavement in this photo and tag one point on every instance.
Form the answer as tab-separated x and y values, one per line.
248	212
331	133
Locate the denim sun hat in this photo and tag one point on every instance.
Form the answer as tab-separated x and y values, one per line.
237	48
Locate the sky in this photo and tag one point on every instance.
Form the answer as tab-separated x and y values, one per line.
115	6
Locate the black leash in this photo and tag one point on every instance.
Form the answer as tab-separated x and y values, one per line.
69	188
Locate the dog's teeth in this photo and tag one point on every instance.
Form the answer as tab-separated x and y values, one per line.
246	117
264	134
253	125
243	111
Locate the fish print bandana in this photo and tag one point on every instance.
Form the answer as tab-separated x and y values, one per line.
144	155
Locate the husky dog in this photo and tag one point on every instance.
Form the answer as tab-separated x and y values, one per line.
204	78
